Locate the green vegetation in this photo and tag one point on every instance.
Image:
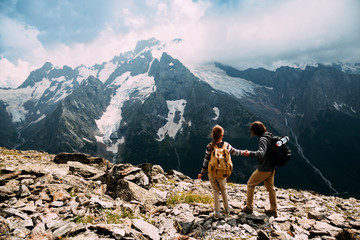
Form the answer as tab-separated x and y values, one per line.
172	181
73	192
84	219
10	152
147	218
126	213
189	197
231	184
109	216
112	217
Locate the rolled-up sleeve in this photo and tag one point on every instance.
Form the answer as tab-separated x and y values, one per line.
206	160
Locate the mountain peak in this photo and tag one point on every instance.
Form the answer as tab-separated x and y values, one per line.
47	66
37	75
142	44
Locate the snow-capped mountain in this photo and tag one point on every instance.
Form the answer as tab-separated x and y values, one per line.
147	106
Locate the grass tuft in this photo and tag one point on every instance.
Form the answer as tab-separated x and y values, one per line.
189	197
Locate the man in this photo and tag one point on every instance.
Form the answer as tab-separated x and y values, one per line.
265	171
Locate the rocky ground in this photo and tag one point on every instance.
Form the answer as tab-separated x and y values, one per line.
76	196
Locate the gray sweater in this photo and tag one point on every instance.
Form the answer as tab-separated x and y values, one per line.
264	164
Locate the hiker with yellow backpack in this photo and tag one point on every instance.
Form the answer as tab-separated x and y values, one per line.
217	163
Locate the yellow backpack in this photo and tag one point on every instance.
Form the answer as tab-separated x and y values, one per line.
220	164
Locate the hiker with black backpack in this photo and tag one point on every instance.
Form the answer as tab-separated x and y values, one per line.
217	163
265	172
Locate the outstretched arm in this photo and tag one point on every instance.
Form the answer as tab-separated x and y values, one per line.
260	153
233	151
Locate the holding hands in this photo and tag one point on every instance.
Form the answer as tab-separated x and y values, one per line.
246	153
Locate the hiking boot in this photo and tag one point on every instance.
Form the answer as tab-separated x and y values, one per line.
218	215
271	213
246	210
227	211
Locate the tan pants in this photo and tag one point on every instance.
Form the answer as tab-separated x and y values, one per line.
256	178
219	185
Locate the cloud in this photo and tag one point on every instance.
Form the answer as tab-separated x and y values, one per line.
253	35
238	33
12	75
18	40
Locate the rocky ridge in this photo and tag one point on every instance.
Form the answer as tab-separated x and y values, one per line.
76	196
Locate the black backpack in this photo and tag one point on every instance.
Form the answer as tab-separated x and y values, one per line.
278	155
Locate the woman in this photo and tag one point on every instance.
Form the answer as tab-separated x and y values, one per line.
265	171
218	184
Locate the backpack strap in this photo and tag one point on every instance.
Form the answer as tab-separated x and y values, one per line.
269	136
225	145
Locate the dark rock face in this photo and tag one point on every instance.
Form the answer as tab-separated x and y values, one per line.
318	107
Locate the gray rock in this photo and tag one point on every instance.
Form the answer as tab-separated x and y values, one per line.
86	171
63	230
18	204
39	228
7	192
57	204
14	212
128	191
110	207
316	215
166	227
326	228
337	219
157	169
146	228
262	235
24	191
249	229
27	181
21	232
118	233
102	204
29	208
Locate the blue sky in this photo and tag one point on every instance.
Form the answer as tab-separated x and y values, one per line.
243	33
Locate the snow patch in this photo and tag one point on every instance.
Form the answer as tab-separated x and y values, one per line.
99	139
64	91
84	73
336	106
217	113
105	73
114	148
41	87
219	80
128	87
171	128
38	120
87	140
